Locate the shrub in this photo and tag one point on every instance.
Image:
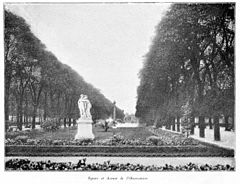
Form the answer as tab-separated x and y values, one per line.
154	139
50	125
190	141
12	134
22	138
82	165
10	141
84	142
31	142
117	138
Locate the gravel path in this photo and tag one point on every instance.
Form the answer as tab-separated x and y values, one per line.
228	138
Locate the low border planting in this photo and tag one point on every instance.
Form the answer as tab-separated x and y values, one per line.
163	143
116	140
26	165
168	151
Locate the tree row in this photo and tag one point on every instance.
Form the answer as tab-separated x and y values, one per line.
189	69
38	86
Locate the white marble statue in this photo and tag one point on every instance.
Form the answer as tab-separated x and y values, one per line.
84	106
84	123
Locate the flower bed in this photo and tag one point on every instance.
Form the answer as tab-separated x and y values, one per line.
163	143
116	140
25	164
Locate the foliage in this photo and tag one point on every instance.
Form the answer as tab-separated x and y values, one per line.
191	59
36	81
50	125
186	124
21	138
155	140
25	164
161	138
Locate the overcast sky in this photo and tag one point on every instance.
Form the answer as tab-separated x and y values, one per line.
104	43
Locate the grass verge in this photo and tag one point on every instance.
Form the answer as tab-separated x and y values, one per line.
143	151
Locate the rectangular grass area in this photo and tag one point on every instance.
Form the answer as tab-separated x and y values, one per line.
129	133
131	151
69	133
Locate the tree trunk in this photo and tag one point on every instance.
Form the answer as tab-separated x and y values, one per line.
192	125
58	108
26	110
20	123
65	122
6	106
74	122
158	124
178	124
168	126
173	127
34	116
173	124
69	122
19	117
12	119
210	123
27	118
6	100
17	113
20	111
216	129
201	123
45	107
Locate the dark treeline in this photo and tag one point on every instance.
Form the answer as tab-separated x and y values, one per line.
38	85
189	69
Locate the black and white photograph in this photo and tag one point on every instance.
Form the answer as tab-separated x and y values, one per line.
119	87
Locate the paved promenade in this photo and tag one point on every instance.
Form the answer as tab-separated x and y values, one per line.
228	138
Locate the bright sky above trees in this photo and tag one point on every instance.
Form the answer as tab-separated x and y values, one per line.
104	43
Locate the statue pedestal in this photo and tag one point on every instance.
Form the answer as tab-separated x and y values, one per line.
84	129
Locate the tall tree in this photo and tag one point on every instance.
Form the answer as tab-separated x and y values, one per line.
190	59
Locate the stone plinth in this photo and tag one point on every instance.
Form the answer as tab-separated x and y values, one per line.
84	129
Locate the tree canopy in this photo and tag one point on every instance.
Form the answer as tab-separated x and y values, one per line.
37	84
191	60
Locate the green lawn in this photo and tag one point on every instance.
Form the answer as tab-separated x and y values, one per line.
63	133
134	133
128	133
69	133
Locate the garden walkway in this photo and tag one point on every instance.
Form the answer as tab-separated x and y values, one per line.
228	138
